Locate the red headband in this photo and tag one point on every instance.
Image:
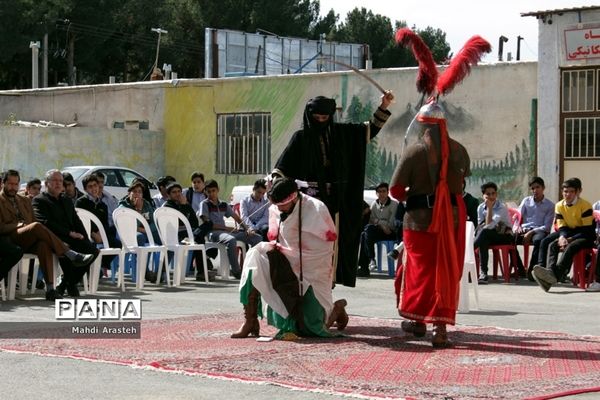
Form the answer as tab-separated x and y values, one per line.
288	199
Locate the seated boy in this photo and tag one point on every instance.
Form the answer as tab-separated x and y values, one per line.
575	223
214	211
493	228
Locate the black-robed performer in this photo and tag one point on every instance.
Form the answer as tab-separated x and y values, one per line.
330	157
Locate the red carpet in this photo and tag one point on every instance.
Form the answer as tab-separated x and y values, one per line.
374	360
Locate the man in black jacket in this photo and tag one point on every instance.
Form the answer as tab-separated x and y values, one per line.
57	212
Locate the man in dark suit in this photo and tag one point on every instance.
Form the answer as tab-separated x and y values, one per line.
18	224
56	211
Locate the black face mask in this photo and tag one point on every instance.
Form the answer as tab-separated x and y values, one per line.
318	124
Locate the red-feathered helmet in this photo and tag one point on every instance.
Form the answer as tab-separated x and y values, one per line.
428	82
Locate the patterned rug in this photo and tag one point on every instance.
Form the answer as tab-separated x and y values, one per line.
374	360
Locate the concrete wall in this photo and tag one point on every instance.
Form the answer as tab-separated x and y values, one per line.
33	151
552	56
489	113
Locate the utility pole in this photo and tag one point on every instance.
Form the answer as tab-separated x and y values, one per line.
45	61
519	38
160	32
35	51
501	40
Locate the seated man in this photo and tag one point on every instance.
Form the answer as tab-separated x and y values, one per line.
178	201
302	231
595	286
92	202
57	212
382	226
254	209
10	255
494	227
162	183
214	211
537	214
18	222
575	221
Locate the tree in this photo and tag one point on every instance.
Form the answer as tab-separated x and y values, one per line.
112	37
362	26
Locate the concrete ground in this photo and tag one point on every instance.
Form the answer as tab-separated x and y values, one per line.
519	305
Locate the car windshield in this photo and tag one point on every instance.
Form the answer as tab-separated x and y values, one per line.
76	171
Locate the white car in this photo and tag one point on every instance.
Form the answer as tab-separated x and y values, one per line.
116	181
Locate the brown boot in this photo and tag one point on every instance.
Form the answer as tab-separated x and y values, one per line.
418	329
338	315
251	325
440	337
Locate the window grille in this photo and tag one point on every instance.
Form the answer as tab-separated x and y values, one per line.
578	90
582	137
244	143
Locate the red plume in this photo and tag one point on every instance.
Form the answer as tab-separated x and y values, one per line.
428	73
460	65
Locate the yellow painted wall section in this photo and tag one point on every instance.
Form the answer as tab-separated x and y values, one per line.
189	122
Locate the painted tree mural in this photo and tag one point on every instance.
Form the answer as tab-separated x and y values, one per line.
380	162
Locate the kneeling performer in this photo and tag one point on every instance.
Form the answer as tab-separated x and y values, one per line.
292	274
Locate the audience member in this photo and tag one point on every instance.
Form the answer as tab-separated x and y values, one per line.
254	210
92	202
494	226
57	212
135	200
382	226
10	255
107	198
178	201
575	222
537	214
18	222
33	188
162	183
471	203
214	211
71	191
195	193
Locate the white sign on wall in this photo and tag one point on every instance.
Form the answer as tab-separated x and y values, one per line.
582	43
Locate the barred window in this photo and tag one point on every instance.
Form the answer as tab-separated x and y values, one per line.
582	137
578	90
244	143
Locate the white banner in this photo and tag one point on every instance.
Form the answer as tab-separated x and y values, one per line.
582	43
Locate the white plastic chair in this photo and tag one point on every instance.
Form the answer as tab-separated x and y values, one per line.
126	221
88	218
22	269
167	220
469	268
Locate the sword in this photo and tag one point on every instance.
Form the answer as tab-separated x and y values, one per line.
359	72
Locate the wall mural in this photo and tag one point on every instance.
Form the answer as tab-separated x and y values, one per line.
510	171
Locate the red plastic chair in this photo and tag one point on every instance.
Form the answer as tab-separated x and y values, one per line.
516	219
579	277
502	257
